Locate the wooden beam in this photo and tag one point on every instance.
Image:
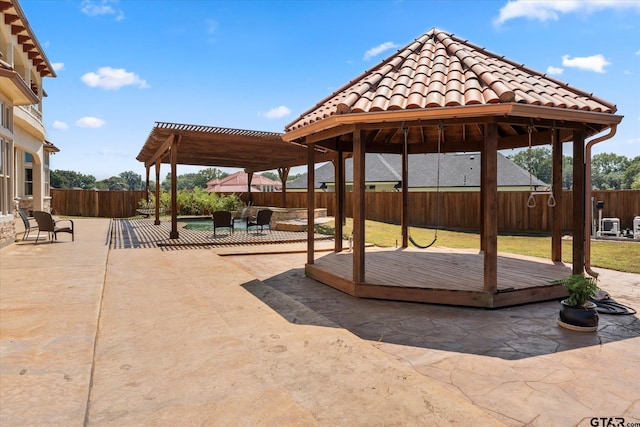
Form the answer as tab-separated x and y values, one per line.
578	201
161	151
556	186
359	151
311	201
490	211
331	133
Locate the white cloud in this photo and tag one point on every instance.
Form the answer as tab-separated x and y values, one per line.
57	66
60	125
90	122
554	71
638	52
212	25
102	7
113	78
545	10
276	113
375	51
594	63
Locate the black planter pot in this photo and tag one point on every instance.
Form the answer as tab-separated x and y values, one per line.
580	318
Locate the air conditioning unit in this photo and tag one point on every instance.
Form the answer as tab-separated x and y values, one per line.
636	227
610	227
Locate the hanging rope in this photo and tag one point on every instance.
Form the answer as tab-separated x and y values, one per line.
435	236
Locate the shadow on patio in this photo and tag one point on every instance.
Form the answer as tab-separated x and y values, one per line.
513	333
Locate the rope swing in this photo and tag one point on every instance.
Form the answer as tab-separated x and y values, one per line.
531	201
435	237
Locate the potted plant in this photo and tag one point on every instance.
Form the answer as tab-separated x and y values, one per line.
578	312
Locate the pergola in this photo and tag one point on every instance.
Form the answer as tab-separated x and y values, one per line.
443	94
198	145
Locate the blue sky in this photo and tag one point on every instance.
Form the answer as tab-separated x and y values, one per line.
123	65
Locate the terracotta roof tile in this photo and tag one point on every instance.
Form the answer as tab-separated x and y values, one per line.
440	70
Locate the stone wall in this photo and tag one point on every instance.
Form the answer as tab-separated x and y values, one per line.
7	230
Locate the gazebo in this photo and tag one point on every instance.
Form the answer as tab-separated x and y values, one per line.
442	94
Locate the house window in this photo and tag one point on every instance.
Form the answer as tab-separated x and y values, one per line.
28	182
6	116
5	177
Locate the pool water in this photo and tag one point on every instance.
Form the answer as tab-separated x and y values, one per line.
206	224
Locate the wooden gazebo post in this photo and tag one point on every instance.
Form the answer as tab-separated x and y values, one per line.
578	201
359	150
311	198
556	187
404	223
489	202
339	182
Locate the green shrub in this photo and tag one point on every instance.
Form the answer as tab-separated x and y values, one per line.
196	202
580	288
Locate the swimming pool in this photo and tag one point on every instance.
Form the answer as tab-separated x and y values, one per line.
205	223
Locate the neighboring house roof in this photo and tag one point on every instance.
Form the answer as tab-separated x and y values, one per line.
456	170
237	182
440	70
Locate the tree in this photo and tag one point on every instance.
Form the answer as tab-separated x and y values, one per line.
631	176
133	180
271	175
113	184
71	179
537	161
567	171
293	177
607	171
205	175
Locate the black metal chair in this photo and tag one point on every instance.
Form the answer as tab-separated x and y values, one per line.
28	226
222	219
47	223
262	218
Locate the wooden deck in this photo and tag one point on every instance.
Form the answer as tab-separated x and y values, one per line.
442	276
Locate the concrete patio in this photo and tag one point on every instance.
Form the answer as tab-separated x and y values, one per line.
96	336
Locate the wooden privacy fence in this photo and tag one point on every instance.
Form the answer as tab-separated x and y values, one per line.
95	203
461	210
458	210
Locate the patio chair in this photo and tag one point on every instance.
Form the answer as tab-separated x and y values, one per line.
222	219
28	225
47	223
262	218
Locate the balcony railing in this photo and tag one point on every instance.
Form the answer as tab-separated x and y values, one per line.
33	110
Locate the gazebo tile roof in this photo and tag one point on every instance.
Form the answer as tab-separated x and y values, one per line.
440	70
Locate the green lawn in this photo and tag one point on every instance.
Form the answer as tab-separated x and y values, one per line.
621	256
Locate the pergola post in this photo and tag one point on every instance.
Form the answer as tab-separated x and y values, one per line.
339	198
556	187
146	184
174	188
311	198
359	150
578	201
157	193
249	196
490	207
283	173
